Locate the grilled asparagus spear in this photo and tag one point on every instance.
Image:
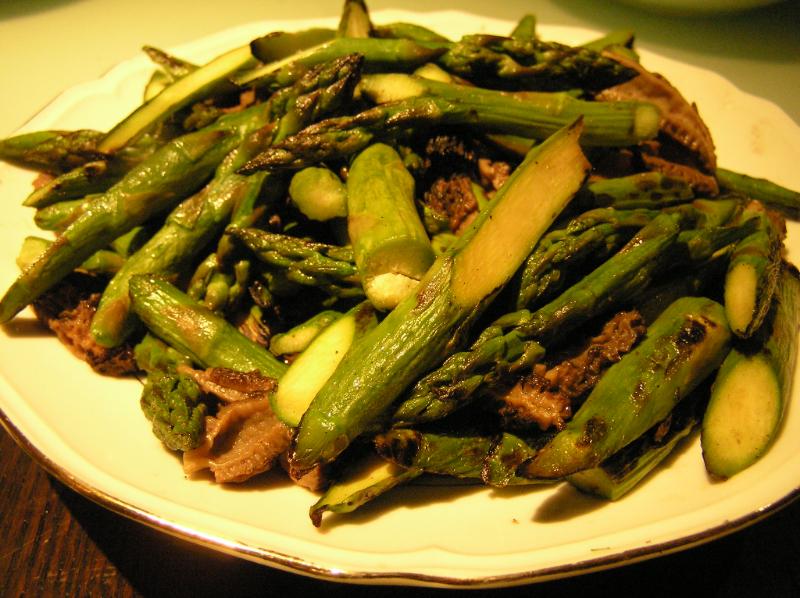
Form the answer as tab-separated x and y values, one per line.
54	152
765	191
195	331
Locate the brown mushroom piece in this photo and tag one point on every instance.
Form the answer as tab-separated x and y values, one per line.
684	147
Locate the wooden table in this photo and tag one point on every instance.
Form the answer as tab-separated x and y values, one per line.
54	542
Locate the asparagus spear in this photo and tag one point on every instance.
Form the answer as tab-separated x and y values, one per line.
618	42
58	216
415	335
752	387
527	113
525	29
88	179
390	245
624	124
97	176
412	31
681	348
306	262
355	21
594	235
499	466
157	184
195	331
461	454
642	190
767	192
456	455
173	403
622	472
379	55
526	62
53	152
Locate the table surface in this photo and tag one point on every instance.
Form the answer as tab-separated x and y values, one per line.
55	542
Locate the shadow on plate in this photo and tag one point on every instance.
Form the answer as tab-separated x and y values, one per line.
25	327
10	9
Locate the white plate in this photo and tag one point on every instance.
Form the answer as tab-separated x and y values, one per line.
89	431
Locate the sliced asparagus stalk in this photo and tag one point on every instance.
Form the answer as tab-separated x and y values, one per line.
172	69
297	338
681	348
427	326
390	244
318	193
363	481
312	368
182	92
753	273
750	392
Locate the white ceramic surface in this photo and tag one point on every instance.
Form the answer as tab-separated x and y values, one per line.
89	430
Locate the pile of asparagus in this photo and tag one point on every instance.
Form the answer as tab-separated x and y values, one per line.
262	213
